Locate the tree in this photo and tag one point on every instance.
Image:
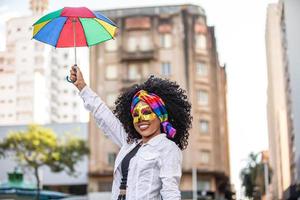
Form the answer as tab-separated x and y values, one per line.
39	146
252	176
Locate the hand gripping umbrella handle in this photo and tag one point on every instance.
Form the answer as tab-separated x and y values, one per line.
68	78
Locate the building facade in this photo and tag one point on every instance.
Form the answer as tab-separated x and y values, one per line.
291	46
172	42
283	46
277	108
7	89
290	30
39	92
65	105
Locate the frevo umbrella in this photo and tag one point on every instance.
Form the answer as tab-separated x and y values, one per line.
74	27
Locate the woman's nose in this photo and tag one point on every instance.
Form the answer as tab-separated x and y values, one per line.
140	118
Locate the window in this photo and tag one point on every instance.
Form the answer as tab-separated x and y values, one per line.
200	42
38	46
74	118
203	185
133	73
25	101
104	186
204	126
25	86
201	20
111	158
24	115
166	69
204	157
111	45
110	99
201	69
38	60
202	97
132	44
111	72
54	61
10	61
146	71
166	40
145	43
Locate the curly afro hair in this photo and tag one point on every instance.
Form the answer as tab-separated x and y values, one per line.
176	103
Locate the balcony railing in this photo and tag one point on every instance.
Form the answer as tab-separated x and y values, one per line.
138	55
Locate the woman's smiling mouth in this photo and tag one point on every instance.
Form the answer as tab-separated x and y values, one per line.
143	126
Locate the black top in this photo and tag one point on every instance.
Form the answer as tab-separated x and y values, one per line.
125	165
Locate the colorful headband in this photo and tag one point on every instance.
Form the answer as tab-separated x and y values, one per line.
158	107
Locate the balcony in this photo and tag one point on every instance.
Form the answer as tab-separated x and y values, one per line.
138	55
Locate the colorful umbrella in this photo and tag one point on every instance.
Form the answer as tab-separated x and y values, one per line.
74	27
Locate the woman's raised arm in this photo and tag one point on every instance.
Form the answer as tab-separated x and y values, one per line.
105	119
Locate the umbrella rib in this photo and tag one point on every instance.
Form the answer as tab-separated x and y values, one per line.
79	19
60	32
103	27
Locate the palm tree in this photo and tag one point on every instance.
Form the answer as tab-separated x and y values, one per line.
253	177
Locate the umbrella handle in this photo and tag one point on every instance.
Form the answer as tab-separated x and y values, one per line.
68	78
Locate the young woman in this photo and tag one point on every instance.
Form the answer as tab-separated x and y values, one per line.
150	124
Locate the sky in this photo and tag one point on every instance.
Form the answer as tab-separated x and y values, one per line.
240	32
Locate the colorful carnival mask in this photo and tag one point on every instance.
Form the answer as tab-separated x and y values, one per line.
143	113
157	106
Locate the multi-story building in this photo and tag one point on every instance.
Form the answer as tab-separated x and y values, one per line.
277	110
42	95
65	104
28	60
7	90
283	47
173	42
291	47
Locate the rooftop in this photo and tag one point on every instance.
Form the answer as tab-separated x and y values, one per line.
153	10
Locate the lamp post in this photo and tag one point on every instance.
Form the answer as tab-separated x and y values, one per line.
265	159
194	178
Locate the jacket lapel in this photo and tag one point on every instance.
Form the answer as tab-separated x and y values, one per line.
123	153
